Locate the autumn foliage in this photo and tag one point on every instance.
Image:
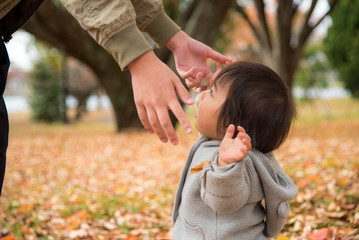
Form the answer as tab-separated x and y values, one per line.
84	181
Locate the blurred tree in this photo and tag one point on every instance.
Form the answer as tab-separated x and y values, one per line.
313	71
52	23
81	83
342	44
281	47
45	86
48	25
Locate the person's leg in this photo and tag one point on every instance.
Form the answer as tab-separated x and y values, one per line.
4	122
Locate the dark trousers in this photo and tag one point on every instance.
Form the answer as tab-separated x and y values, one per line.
4	121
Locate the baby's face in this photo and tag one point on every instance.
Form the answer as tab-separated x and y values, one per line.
208	109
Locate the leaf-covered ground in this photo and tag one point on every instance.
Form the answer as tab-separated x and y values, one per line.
83	181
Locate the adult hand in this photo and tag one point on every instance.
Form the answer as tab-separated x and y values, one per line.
154	88
235	149
191	59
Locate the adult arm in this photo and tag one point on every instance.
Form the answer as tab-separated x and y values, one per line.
190	55
113	25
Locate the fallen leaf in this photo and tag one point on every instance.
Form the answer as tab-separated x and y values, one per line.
323	234
8	237
336	214
200	166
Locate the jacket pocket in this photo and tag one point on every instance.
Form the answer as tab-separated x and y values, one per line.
192	232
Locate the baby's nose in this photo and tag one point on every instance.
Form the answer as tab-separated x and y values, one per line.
204	93
200	97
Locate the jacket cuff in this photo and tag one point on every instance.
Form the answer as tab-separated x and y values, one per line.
223	169
127	45
162	28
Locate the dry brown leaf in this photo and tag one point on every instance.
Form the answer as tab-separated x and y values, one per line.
200	166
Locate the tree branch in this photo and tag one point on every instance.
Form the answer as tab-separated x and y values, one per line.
284	21
242	11
284	31
263	21
307	29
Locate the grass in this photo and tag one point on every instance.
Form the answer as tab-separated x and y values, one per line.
85	181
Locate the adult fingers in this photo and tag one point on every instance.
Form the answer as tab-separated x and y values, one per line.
218	57
200	88
182	92
193	82
177	110
187	74
156	125
166	125
142	114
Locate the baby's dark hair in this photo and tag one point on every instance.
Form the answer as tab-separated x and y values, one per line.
259	101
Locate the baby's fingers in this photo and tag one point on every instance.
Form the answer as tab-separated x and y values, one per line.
247	144
242	133
230	131
241	129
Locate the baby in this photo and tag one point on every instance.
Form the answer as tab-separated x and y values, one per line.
230	170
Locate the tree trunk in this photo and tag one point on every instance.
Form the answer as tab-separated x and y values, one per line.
281	49
64	92
53	24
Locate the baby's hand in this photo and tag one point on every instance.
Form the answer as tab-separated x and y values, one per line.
234	150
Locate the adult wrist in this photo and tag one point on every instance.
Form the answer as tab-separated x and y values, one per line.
176	40
139	62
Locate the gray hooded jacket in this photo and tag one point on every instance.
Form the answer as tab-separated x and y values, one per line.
227	202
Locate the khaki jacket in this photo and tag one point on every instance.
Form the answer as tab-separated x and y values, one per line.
13	14
117	25
6	6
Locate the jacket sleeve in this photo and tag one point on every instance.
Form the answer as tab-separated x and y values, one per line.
151	18
113	25
226	189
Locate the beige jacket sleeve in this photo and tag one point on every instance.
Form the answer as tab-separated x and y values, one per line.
117	25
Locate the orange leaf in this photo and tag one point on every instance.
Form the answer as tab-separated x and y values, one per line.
25	230
302	183
8	237
120	189
281	237
25	208
74	224
200	166
162	235
313	178
131	237
344	181
83	214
